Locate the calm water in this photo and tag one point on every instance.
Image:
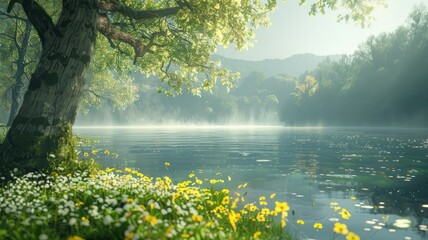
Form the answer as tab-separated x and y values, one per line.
379	175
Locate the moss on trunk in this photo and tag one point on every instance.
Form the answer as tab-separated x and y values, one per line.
39	152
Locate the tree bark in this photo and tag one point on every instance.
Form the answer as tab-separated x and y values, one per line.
18	87
40	137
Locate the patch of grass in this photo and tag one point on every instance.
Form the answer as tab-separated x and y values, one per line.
116	204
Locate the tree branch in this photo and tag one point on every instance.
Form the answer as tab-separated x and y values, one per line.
111	101
12	16
106	28
115	6
41	21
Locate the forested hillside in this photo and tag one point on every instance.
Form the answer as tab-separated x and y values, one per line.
383	83
294	65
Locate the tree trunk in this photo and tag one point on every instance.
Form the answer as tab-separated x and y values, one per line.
40	137
17	89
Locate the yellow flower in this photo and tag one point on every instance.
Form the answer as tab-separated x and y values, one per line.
129	236
167	164
345	214
340	228
257	234
85	154
272	196
263	203
229	178
169	229
318	225
75	237
300	221
281	207
234	203
233	218
78	204
253	208
353	198
352	236
84	219
197	218
152	219
55	174
209	224
185	235
106	152
192	175
226	200
262	198
261	217
283	223
94	151
265	211
129	200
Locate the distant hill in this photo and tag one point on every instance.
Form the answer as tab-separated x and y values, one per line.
293	66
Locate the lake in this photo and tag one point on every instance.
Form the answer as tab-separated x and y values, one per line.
380	175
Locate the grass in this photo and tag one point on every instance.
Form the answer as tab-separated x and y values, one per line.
115	204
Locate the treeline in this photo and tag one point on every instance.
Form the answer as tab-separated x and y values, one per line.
383	83
255	100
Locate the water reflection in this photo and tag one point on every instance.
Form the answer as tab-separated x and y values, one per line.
379	175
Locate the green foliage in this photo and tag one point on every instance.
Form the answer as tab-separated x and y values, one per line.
359	11
382	83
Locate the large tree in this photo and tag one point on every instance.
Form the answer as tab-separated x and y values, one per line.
20	49
172	39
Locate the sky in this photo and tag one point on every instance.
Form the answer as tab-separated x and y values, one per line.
294	32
